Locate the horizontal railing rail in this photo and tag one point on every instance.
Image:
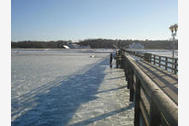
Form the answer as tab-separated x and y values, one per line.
168	63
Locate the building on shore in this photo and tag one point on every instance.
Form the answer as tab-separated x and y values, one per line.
136	46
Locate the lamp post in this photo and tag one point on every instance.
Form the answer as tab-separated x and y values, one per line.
173	29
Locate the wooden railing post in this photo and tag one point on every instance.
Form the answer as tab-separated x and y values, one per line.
159	61
147	57
130	83
127	72
176	62
166	60
154	59
155	117
137	99
122	65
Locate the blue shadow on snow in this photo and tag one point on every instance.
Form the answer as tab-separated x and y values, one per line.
58	105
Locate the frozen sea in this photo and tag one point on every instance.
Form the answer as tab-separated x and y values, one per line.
36	72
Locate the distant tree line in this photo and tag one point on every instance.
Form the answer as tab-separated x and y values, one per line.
148	44
39	44
96	43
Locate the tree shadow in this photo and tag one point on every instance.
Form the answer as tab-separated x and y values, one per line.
56	105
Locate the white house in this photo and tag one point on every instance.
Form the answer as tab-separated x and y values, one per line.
136	46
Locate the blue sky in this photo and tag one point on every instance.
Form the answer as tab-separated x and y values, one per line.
83	19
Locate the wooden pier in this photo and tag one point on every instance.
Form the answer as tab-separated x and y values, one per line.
153	84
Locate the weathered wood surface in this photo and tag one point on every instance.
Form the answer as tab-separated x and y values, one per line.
166	81
158	93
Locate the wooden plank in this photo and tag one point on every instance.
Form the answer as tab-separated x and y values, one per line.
144	114
130	82
137	99
154	114
145	100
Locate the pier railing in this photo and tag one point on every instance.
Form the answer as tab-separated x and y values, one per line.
152	106
168	63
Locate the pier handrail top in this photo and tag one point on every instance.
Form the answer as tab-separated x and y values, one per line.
164	103
164	56
125	50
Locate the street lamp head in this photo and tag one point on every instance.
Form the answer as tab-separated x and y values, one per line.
171	28
176	27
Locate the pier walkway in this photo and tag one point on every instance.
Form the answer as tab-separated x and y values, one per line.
111	107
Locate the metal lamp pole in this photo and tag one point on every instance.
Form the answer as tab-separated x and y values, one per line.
173	29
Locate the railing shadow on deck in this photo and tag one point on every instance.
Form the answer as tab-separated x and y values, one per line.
116	78
113	89
58	105
103	116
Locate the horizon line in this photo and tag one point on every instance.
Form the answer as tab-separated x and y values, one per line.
96	39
